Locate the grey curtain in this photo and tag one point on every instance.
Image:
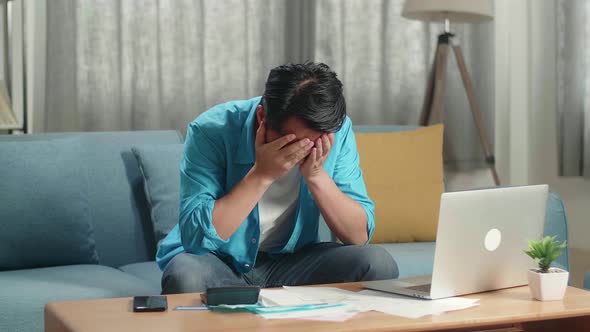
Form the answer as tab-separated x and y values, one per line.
384	59
573	75
132	65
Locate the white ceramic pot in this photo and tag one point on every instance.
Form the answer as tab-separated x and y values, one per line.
548	286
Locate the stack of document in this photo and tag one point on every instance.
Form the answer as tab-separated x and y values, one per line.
334	304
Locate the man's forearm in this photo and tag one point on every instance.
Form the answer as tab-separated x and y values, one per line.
345	217
232	209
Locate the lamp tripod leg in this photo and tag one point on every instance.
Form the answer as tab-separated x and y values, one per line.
427	104
434	102
440	79
476	112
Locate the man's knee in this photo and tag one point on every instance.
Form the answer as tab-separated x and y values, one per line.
181	276
377	263
187	273
183	282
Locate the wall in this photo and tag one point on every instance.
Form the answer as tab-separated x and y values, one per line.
35	14
526	114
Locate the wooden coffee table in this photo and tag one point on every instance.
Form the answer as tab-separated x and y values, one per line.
509	310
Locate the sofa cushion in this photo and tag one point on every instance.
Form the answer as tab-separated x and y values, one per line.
25	292
413	259
404	176
159	165
118	206
147	271
44	211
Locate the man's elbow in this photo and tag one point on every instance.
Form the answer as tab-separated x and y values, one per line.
359	239
362	239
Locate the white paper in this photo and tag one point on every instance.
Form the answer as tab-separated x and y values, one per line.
363	301
291	296
334	314
275	297
410	307
319	294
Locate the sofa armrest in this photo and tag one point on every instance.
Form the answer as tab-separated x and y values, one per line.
556	224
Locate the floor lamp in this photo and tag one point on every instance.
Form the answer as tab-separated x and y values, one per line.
447	11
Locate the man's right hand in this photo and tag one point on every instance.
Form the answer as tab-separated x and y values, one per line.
277	158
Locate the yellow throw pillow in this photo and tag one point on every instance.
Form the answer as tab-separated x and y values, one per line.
403	172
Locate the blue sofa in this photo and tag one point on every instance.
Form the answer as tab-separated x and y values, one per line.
123	234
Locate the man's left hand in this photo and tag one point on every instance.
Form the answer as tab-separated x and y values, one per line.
312	165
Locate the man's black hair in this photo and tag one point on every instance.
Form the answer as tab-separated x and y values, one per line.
309	91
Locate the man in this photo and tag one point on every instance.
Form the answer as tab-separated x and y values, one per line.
255	176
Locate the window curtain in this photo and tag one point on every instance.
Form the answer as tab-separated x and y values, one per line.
384	59
134	65
573	75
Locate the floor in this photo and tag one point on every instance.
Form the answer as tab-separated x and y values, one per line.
579	265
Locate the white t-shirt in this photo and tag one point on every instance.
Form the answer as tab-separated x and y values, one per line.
276	209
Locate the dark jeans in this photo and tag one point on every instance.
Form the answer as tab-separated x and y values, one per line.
320	263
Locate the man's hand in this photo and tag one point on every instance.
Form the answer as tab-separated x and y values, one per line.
278	157
312	166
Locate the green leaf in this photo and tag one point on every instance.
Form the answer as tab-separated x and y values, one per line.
545	251
539	251
549	247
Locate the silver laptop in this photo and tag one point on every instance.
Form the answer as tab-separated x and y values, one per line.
479	243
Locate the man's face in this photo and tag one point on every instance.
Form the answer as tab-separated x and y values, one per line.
293	125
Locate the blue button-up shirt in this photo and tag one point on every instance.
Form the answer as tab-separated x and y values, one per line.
218	153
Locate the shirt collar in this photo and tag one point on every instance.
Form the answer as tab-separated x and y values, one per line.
246	152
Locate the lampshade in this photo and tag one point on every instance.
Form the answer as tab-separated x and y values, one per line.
457	11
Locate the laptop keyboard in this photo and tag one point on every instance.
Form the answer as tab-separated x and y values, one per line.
421	288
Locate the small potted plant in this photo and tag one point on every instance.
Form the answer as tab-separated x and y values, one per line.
547	283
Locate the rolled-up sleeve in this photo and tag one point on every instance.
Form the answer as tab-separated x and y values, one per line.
348	175
202	174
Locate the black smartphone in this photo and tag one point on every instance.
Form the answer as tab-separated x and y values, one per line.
149	303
